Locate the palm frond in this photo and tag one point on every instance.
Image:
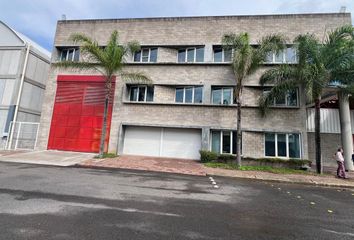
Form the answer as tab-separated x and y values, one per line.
279	75
135	78
76	65
275	92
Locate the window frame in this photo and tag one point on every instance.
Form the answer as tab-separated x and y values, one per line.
232	132
284	55
186	54
222	95
287	145
193	94
137	95
222	55
286	105
67	50
149	55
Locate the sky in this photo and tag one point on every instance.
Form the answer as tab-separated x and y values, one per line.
37	18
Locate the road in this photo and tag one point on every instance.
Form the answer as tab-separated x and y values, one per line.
39	202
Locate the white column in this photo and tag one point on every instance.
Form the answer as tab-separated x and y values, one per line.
346	131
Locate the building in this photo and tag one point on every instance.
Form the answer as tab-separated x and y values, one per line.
24	67
190	105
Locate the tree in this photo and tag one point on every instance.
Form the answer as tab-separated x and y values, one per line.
247	59
109	61
318	65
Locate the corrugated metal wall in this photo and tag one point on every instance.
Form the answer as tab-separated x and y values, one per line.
330	122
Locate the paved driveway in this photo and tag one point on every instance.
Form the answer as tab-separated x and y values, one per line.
156	164
47	157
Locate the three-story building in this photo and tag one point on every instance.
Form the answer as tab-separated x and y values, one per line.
190	104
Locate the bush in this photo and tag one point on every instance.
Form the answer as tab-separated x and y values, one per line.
226	158
107	155
291	161
207	156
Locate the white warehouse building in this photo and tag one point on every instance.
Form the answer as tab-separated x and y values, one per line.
24	69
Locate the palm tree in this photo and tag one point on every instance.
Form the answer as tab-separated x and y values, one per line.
109	61
247	59
318	65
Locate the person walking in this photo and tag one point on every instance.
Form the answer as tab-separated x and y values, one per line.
340	161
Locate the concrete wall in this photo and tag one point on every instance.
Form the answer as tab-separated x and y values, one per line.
170	33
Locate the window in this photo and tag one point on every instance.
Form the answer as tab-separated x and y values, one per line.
146	55
222	55
282	145
222	95
189	94
286	56
224	142
141	94
69	54
194	54
289	99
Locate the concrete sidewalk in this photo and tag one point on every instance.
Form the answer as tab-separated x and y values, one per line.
46	157
322	180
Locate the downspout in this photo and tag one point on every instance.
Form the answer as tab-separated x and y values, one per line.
19	96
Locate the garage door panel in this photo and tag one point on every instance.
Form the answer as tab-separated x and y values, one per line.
162	142
181	143
142	141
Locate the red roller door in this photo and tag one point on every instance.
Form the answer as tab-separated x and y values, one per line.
78	114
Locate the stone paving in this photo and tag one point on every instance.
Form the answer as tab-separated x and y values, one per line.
157	164
323	180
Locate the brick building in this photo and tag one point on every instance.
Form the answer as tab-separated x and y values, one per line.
190	105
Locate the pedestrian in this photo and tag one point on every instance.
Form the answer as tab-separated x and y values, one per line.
340	161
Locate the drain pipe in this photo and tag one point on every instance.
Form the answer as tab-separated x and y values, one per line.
19	96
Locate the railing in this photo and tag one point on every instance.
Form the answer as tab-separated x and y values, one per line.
24	136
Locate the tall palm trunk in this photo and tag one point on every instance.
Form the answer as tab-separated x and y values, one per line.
238	125
239	136
105	113
318	136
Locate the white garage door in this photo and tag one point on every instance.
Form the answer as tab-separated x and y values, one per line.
162	142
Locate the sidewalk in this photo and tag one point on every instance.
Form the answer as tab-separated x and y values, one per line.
323	180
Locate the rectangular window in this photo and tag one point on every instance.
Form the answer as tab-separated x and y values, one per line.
289	99
288	55
282	145
145	55
224	142
222	55
190	55
141	93
192	94
222	95
69	54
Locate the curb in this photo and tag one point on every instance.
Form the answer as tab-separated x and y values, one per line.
291	182
133	169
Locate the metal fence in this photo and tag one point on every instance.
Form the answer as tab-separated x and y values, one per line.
24	135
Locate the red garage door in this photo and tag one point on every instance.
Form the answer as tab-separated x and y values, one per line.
78	114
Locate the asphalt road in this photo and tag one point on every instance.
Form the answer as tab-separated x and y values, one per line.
38	202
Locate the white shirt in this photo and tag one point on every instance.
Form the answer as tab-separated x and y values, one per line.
339	157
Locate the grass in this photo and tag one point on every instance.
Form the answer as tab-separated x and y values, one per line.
107	155
233	166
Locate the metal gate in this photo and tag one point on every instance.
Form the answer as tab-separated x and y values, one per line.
24	135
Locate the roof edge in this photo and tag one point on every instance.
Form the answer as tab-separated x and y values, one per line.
309	15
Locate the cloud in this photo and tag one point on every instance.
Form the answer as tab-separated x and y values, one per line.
37	18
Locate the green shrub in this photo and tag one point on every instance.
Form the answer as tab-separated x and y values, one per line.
226	158
291	161
207	156
107	155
